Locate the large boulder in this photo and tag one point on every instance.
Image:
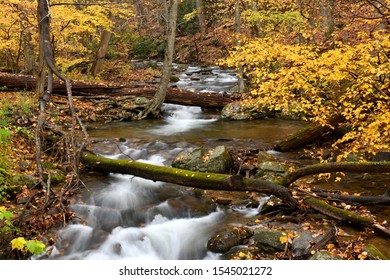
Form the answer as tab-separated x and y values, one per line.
217	160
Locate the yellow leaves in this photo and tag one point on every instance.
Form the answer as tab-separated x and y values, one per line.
18	243
298	80
287	238
32	246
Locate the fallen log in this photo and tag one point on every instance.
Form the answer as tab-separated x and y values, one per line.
366	200
356	167
307	135
201	180
97	90
337	213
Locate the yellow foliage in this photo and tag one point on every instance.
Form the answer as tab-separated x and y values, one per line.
299	80
75	29
18	243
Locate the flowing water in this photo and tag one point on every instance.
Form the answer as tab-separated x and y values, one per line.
126	217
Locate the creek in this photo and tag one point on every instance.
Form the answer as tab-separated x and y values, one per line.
126	217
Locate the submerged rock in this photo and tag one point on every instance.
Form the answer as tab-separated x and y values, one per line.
217	160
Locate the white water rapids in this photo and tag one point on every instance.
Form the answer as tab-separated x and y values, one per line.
129	217
126	217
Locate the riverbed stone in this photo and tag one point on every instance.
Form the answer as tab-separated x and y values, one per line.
268	240
324	256
303	242
217	160
263	156
235	111
229	238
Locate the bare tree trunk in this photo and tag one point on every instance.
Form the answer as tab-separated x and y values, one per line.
47	66
140	16
241	85
101	52
326	9
201	17
29	54
158	99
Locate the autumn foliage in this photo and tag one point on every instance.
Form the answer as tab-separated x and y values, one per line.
343	72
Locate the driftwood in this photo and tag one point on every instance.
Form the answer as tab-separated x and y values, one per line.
95	90
307	135
201	180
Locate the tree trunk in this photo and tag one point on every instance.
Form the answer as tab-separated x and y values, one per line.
140	16
307	135
241	85
201	17
209	181
326	9
101	52
154	106
47	66
98	91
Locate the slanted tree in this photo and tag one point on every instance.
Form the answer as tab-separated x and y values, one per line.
153	107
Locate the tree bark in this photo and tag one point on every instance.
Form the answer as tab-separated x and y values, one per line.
209	181
307	135
94	90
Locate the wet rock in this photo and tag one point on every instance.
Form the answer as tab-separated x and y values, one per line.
268	240
189	206
324	256
174	79
263	156
303	242
273	167
229	238
216	160
235	111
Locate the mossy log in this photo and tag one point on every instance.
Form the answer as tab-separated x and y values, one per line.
355	167
307	135
201	180
337	213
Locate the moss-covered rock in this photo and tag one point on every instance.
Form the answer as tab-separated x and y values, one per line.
268	240
217	160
